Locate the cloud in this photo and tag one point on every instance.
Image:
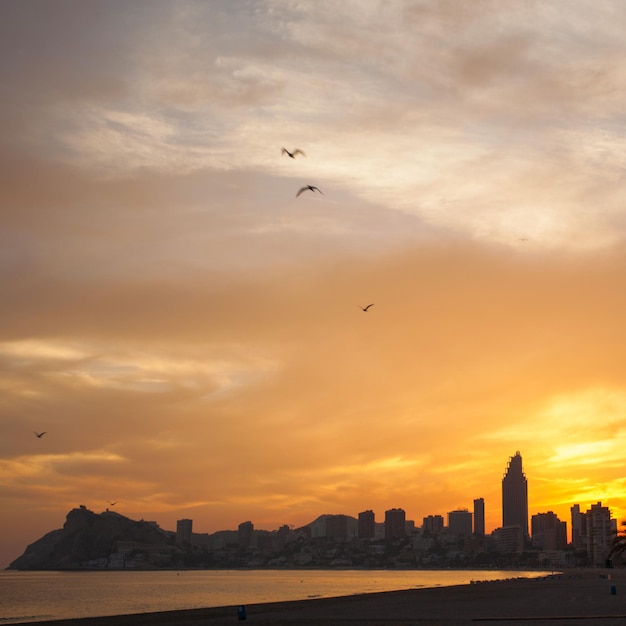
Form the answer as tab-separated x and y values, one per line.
489	120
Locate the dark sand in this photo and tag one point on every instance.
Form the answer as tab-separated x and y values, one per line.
575	598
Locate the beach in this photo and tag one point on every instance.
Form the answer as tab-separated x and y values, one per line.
575	597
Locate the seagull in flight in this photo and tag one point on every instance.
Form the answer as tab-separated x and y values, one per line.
308	188
39	435
294	153
364	308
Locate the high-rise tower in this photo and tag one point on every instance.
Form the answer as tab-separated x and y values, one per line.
515	495
479	517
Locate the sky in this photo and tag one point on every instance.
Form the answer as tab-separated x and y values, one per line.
189	333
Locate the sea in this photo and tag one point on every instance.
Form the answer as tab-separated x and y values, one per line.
41	596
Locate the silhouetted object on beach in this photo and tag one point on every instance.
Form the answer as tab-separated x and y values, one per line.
308	188
365	308
39	435
293	154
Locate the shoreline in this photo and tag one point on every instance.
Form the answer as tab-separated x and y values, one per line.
316	568
574	598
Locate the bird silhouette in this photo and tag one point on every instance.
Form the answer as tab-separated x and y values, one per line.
113	503
293	154
39	435
364	308
308	188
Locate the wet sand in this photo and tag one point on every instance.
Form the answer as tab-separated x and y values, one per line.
574	598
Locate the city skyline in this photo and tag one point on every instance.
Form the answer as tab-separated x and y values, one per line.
397	525
184	335
547	530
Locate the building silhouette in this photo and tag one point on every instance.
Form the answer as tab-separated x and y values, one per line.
367	525
432	524
337	526
548	532
460	522
579	528
509	539
183	531
515	495
395	524
245	534
283	534
479	517
601	530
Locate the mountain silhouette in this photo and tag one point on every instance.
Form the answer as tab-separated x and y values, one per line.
87	536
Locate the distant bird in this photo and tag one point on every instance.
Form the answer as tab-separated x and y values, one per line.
293	154
523	239
113	503
364	308
309	188
39	435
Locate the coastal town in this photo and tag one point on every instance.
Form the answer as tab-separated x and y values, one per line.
111	541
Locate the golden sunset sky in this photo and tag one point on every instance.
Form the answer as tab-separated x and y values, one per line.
188	332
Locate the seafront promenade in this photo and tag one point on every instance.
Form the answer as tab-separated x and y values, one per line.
593	597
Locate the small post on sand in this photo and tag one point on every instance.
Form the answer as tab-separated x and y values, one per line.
612	588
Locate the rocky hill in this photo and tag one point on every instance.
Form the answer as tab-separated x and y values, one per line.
112	541
87	536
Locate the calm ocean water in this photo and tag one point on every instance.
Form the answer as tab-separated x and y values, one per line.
39	596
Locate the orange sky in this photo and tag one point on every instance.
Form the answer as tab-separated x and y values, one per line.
188	332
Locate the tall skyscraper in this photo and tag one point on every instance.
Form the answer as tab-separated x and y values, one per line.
515	495
479	517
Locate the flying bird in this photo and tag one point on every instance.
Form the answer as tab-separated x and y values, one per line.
39	435
364	308
113	503
309	188
293	154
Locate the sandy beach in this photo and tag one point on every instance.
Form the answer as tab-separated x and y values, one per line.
576	598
